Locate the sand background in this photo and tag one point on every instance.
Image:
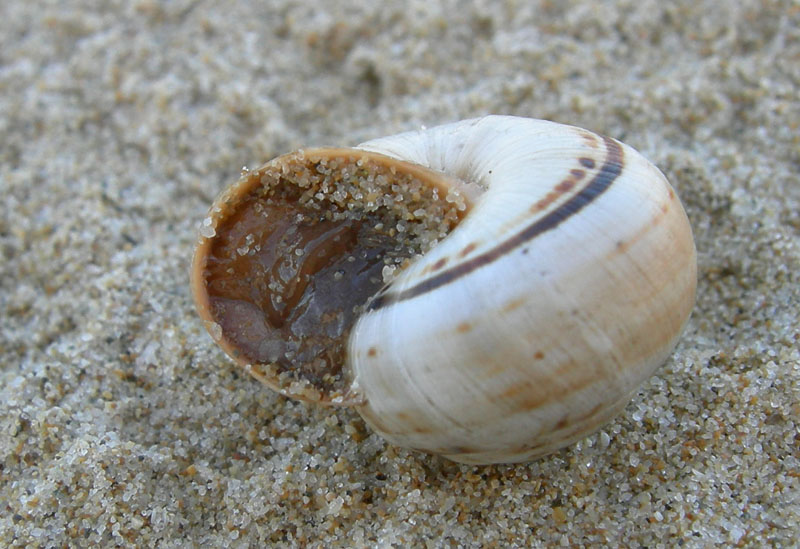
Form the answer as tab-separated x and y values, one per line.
121	423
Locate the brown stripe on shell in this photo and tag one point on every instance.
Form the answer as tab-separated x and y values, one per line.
565	186
607	174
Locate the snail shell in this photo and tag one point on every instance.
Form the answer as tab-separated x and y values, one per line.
490	290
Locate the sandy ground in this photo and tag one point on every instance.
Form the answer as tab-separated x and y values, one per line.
121	423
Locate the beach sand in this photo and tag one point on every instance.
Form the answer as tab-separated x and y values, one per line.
123	424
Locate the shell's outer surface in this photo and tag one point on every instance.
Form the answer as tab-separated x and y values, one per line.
536	319
566	282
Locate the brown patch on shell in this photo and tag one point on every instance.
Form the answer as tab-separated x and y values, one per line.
590	139
468	249
565	186
577	174
439	264
514	304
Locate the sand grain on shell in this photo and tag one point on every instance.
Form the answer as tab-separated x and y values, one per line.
300	247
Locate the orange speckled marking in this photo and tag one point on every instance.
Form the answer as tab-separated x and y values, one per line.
439	264
577	174
372	351
468	249
590	139
514	304
538	355
565	186
406	417
514	390
464	327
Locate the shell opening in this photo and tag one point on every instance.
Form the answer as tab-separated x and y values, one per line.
299	248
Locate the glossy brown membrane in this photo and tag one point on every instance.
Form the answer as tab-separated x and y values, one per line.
300	246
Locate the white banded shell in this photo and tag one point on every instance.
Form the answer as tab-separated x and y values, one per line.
565	283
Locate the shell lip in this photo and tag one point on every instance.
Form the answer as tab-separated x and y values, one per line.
270	374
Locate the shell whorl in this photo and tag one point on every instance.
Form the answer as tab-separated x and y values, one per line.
564	286
531	176
549	291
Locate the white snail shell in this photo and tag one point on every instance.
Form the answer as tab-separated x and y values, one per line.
565	283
